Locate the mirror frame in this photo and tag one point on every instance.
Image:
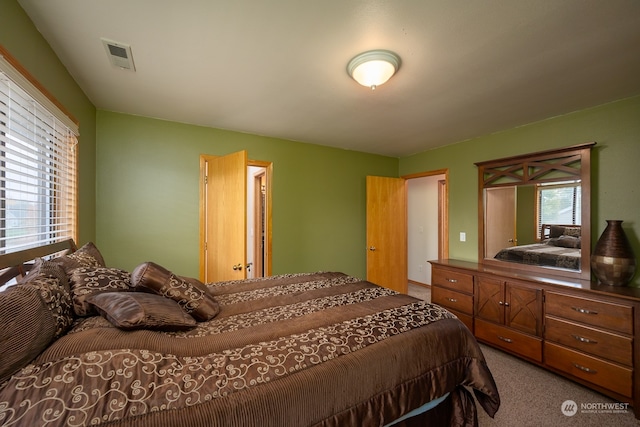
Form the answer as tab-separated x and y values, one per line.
535	168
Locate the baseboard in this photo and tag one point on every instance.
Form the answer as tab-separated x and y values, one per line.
424	285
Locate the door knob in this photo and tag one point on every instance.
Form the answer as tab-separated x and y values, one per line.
237	267
372	248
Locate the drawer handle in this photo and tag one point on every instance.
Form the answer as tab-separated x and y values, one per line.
452	280
506	304
583	339
584	310
507	340
452	299
585	369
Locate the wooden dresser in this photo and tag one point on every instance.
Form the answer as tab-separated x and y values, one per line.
587	332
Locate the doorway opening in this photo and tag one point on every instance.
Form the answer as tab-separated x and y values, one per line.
256	221
427	223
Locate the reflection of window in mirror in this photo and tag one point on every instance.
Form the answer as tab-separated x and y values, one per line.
558	203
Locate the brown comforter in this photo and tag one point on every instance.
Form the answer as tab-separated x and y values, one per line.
321	349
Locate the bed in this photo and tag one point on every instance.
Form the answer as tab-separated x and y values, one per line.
559	247
313	349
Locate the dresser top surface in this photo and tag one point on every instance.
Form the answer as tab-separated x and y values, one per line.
474	267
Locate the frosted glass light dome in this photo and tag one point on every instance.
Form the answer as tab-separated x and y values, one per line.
374	67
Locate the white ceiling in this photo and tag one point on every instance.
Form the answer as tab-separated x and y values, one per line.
278	68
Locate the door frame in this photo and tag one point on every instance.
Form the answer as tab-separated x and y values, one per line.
268	166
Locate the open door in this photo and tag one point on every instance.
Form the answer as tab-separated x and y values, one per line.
387	232
225	225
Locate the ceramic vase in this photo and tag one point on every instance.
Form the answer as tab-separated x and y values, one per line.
613	262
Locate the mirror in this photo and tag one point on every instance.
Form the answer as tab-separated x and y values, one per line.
534	212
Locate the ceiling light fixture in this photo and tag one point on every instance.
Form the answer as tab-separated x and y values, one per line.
374	67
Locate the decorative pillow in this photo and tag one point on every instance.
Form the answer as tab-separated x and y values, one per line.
568	241
86	281
27	328
86	256
138	310
42	267
571	231
556	231
50	279
192	295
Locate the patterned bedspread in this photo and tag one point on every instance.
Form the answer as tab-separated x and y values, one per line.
542	254
321	349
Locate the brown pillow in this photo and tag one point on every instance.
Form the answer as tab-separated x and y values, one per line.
86	281
572	231
50	279
86	256
192	295
568	241
556	231
137	310
27	328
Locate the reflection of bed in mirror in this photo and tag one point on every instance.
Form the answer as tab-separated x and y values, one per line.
559	246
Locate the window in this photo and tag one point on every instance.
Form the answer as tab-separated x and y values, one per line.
37	165
559	204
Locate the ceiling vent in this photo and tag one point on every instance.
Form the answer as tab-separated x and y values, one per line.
119	54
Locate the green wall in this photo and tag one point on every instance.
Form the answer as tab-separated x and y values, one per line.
148	195
615	168
138	192
526	214
20	37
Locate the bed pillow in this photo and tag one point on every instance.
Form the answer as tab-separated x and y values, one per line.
51	281
192	295
27	328
86	256
555	231
571	231
86	281
138	310
565	241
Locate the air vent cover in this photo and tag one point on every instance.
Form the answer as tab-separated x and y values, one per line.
119	54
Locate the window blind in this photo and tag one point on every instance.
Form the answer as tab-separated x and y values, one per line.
37	166
559	204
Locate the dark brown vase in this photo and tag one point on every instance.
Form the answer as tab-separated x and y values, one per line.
613	262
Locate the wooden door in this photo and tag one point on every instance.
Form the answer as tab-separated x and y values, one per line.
524	308
387	232
500	218
490	299
225	217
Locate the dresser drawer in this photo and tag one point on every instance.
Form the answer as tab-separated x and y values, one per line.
597	342
594	370
508	339
616	317
452	299
453	279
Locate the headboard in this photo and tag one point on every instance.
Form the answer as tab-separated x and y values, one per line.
17	264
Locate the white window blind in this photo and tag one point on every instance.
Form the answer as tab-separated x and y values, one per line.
559	204
37	166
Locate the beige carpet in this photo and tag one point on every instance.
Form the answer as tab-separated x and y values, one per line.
531	396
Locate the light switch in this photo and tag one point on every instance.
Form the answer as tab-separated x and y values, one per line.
463	236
